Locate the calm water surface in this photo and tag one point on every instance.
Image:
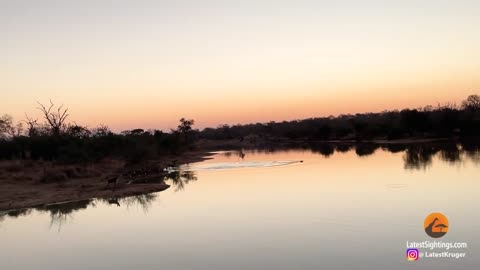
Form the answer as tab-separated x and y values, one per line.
344	209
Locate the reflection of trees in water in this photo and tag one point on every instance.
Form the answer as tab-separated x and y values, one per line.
143	201
471	150
415	155
366	149
238	153
15	213
18	213
60	213
180	178
343	148
450	153
394	147
418	156
325	149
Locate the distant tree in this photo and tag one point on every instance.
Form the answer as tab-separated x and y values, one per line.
157	133
8	128
6	125
185	126
225	131
101	131
17	130
137	131
55	119
32	126
78	131
472	103
134	132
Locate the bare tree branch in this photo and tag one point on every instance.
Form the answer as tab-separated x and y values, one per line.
32	125
56	120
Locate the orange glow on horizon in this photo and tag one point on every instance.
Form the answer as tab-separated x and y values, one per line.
147	64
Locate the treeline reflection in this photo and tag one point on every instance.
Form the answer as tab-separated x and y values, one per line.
180	178
416	156
61	213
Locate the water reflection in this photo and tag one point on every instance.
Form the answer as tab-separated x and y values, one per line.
238	153
418	157
180	178
366	149
414	157
15	213
143	201
324	149
343	147
61	213
451	153
472	151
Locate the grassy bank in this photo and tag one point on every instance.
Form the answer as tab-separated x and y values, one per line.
27	183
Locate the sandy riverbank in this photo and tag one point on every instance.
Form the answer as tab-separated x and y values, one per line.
23	183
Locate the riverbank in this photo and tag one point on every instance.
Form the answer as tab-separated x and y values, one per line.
27	183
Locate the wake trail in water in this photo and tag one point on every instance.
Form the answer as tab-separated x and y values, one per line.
238	165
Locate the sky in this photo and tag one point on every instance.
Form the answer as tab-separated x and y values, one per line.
145	64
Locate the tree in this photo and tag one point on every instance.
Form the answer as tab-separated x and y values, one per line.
8	129
32	124
17	130
6	125
472	103
185	126
137	131
101	131
78	131
55	119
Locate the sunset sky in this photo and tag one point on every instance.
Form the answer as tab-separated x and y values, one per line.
131	64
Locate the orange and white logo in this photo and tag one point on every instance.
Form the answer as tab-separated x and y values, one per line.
436	225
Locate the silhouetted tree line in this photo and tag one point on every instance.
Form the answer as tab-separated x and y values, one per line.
55	139
429	122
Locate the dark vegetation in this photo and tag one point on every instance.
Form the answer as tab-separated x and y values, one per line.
55	139
442	121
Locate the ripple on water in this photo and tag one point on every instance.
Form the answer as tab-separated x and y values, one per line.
237	165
